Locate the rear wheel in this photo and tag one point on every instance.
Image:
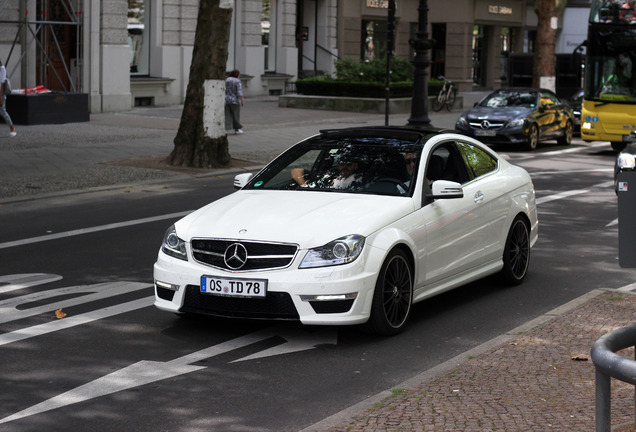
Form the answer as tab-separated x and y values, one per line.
533	138
450	100
566	139
393	296
516	256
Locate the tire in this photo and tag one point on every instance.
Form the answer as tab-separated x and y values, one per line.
439	102
533	138
392	297
516	256
618	146
566	139
450	100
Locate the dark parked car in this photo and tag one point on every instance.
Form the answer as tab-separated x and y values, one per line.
626	161
519	116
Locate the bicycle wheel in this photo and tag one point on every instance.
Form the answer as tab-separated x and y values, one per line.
439	101
450	99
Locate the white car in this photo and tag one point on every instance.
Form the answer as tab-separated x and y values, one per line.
352	226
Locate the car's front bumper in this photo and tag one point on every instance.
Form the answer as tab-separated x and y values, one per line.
334	295
511	135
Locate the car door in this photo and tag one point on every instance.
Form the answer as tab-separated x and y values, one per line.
549	114
456	228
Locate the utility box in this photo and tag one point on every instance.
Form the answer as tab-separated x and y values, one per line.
626	191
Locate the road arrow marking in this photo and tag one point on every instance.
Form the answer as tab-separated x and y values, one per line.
146	372
19	281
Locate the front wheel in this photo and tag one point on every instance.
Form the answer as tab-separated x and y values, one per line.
533	138
392	297
516	256
439	101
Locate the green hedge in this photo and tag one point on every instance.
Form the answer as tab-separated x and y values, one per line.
332	87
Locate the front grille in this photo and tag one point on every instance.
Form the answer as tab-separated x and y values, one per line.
275	306
260	256
492	124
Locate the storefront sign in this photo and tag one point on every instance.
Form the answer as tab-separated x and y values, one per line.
499	10
378	4
505	11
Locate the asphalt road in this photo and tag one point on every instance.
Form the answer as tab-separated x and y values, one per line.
115	363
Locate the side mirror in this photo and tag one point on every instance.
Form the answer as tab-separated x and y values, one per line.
242	179
444	189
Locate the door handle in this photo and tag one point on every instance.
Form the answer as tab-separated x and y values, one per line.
479	196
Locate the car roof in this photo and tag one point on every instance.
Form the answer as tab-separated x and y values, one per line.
396	132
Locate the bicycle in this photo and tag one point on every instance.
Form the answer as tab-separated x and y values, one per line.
446	96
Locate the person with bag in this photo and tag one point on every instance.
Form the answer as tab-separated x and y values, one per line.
233	102
5	88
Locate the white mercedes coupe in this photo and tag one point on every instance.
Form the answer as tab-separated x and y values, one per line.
352	226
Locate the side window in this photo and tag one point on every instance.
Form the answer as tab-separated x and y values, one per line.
477	161
446	163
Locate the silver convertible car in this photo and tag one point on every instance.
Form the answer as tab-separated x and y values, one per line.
352	226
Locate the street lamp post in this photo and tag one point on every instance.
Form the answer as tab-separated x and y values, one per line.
421	44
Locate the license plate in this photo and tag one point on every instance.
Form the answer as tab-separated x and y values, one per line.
230	287
485	133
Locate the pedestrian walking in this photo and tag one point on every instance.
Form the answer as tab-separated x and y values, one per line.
233	102
4	89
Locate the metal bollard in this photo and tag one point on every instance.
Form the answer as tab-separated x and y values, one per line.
609	365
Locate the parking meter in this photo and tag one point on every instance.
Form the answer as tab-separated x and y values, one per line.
626	192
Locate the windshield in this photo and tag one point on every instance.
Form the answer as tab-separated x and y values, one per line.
506	98
610	74
381	166
613	11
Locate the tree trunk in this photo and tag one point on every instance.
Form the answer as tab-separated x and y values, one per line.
201	140
544	69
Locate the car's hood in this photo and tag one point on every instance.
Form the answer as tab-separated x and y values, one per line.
500	113
307	218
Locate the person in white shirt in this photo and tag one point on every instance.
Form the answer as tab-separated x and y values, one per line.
3	100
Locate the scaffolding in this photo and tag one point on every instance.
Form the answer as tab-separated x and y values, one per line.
48	36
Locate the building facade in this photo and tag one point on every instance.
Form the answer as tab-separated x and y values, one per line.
124	53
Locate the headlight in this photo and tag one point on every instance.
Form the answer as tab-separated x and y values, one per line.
341	251
626	161
173	245
461	121
517	122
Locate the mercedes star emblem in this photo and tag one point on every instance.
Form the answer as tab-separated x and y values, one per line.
235	256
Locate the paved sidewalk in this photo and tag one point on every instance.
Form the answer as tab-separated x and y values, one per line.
534	378
538	377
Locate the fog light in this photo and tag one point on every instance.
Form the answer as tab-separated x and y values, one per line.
329	297
167	286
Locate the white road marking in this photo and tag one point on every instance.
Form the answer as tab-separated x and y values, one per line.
85	293
19	281
561	195
146	372
82	231
630	287
68	322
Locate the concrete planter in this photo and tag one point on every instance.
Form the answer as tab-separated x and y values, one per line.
48	108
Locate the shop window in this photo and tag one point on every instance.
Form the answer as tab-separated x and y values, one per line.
374	40
138	36
438	53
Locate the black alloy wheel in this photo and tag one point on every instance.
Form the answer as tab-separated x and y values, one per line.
516	256
393	296
533	138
